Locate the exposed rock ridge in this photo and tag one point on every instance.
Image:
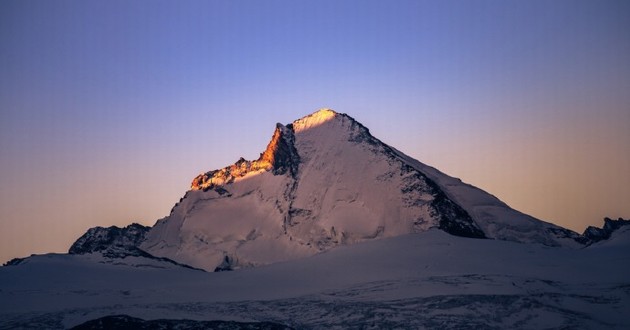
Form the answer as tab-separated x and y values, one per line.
281	152
595	234
116	243
111	241
279	157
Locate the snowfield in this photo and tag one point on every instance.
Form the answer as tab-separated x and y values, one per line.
425	280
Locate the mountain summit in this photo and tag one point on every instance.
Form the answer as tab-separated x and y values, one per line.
325	181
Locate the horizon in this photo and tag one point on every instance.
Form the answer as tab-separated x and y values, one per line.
109	110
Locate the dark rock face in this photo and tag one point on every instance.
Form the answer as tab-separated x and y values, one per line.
453	219
283	155
595	234
127	322
112	241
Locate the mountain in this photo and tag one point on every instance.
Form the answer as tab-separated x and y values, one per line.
325	181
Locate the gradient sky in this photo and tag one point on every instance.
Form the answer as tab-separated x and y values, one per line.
108	109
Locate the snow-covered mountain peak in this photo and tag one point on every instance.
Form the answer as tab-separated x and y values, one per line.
280	156
325	181
315	119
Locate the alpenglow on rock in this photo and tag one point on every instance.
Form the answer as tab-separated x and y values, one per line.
325	181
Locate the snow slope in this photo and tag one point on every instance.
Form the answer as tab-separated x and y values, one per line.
325	181
494	217
425	280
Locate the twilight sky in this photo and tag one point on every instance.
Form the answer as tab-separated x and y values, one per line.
108	109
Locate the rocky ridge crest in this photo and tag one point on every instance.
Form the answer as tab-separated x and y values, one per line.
280	157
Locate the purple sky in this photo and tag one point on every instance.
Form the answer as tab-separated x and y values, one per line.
108	109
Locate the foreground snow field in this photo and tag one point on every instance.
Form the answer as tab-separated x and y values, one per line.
425	280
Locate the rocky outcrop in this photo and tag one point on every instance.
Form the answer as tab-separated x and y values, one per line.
112	241
116	243
280	157
595	234
281	153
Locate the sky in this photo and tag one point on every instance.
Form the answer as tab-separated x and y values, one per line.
108	109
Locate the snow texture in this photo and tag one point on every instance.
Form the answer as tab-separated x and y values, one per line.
424	281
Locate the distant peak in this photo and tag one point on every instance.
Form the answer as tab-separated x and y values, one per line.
281	156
